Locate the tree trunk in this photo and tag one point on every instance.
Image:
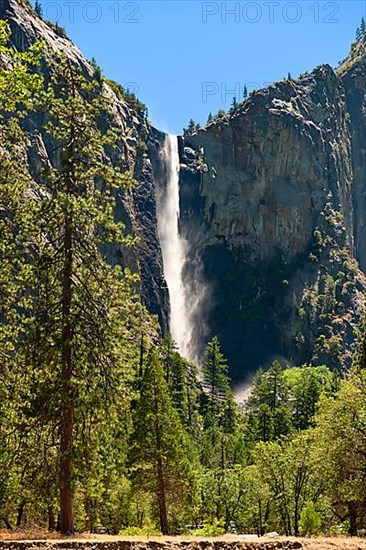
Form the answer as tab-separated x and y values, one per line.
162	499
20	514
68	405
51	518
296	519
352	508
260	526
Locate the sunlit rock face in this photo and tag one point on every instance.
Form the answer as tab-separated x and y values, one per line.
274	207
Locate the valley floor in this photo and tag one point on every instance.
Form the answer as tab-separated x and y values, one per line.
43	541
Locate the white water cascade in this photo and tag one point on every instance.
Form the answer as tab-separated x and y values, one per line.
174	249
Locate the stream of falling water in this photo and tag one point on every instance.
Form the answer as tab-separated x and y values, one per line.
174	249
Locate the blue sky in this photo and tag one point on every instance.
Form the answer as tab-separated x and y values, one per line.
185	58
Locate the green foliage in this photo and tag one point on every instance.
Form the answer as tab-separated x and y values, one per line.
310	521
159	446
139	532
220	114
214	529
191	129
219	399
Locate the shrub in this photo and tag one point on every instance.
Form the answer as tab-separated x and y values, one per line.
139	531
310	521
214	529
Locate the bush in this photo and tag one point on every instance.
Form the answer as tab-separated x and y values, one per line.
310	521
139	532
214	529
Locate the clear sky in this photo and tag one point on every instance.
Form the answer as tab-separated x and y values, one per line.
185	58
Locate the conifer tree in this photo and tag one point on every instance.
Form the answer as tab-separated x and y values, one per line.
245	93
38	8
158	444
209	118
234	105
363	27
192	128
84	307
216	383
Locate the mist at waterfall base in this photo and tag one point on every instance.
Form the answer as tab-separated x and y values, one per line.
187	294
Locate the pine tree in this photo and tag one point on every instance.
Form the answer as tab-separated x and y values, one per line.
209	118
245	93
221	113
192	128
268	409
38	8
234	105
84	307
158	444
363	27
216	381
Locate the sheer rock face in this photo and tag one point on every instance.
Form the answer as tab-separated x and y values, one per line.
138	151
274	206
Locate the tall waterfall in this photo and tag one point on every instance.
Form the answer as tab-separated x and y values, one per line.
174	249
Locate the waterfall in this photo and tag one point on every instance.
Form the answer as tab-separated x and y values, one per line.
174	249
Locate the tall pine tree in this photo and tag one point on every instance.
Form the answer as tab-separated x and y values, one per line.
84	308
158	453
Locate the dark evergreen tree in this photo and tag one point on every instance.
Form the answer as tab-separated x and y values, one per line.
38	8
81	302
192	128
158	453
219	398
268	404
234	105
363	27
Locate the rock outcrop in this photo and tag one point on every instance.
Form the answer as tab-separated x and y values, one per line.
273	205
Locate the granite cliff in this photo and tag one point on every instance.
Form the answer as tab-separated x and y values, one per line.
273	204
